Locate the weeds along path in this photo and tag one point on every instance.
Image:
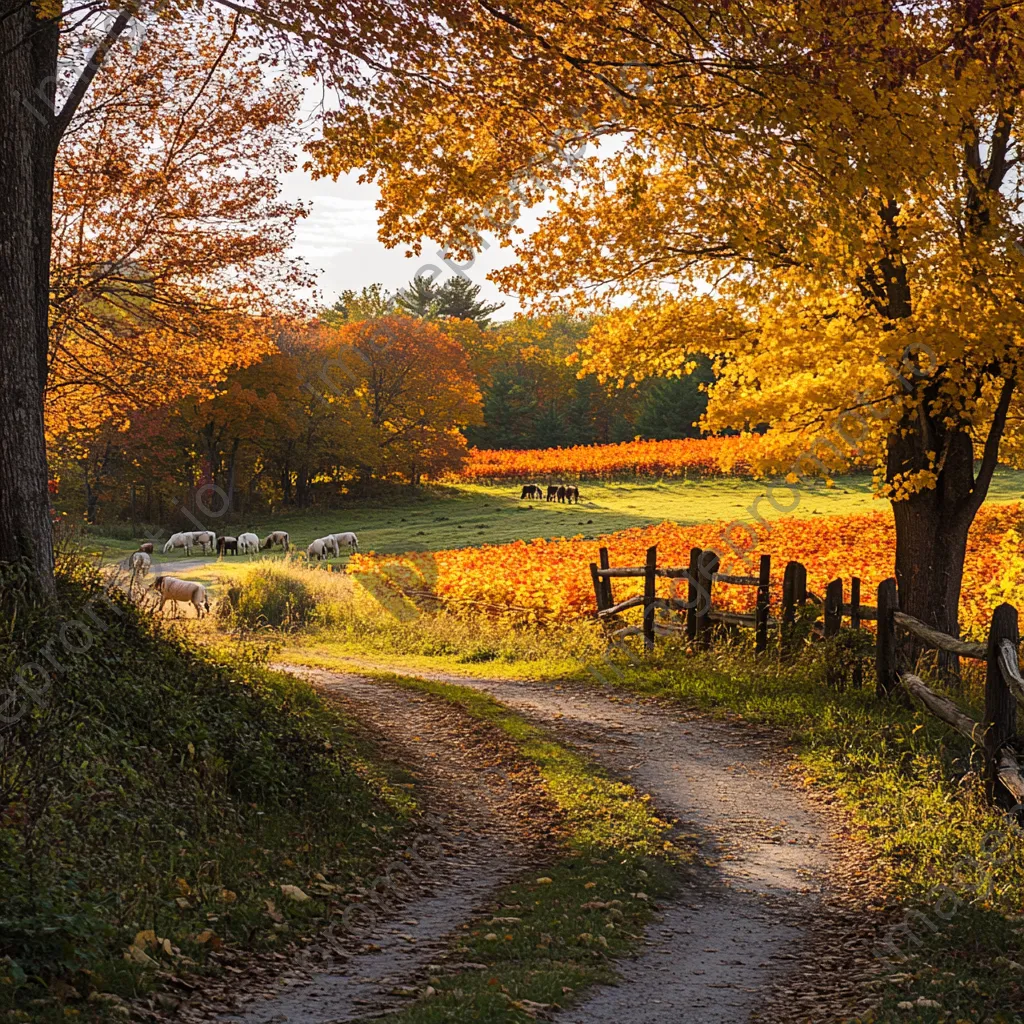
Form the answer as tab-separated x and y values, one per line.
778	928
488	820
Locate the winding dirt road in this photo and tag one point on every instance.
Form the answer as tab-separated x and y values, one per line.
772	929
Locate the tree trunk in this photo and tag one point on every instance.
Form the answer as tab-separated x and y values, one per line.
29	48
932	527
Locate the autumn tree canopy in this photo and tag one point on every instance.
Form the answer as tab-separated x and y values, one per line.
170	240
823	194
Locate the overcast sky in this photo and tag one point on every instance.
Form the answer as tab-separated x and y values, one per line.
339	241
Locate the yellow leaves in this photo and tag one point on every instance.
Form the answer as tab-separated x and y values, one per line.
293	892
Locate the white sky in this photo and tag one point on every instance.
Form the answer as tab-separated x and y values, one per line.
339	242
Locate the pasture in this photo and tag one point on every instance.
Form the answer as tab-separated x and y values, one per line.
469	515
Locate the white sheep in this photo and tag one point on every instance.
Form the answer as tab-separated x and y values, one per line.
179	540
316	550
331	545
170	588
140	563
346	538
248	543
277	537
204	539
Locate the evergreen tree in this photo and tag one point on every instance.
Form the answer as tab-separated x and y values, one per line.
420	297
459	298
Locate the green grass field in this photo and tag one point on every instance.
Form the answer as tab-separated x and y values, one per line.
454	516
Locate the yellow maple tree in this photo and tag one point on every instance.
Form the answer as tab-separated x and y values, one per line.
820	194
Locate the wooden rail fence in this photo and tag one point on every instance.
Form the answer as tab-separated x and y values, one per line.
1004	682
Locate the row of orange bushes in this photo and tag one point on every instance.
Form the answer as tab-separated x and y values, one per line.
690	457
549	580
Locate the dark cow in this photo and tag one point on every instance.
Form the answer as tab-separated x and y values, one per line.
552	492
226	544
147	547
560	493
531	491
572	494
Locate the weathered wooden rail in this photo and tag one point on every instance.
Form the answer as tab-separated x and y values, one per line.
1004	684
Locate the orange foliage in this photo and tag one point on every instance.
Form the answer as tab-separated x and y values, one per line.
548	580
688	457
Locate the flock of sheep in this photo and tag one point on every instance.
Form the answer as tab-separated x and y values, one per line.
170	588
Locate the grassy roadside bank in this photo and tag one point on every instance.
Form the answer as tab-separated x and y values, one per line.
155	798
551	936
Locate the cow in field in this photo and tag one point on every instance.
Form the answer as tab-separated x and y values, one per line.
531	491
552	492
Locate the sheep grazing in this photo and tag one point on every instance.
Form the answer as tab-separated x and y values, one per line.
179	540
572	494
560	493
531	491
349	539
141	562
248	543
277	537
204	539
316	550
147	547
226	544
170	588
552	492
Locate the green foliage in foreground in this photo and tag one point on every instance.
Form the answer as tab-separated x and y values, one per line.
154	786
555	933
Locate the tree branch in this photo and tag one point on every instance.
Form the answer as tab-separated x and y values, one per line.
990	455
89	72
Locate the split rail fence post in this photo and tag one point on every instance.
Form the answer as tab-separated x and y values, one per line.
858	668
833	623
764	576
1000	705
650	578
885	651
692	593
709	563
598	587
606	580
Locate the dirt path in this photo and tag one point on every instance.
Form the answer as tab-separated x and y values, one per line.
488	821
774	930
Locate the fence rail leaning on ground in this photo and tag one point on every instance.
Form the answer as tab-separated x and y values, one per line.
1004	682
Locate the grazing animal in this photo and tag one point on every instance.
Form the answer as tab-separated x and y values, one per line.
572	494
560	493
332	548
204	539
140	562
348	538
179	540
147	547
552	492
226	544
316	550
277	537
170	588
531	491
248	543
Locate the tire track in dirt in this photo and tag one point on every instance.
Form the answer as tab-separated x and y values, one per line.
489	821
775	929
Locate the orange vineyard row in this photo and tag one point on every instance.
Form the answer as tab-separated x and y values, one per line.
691	457
549	580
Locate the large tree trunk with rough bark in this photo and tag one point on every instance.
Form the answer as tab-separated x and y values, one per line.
932	525
29	49
931	530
